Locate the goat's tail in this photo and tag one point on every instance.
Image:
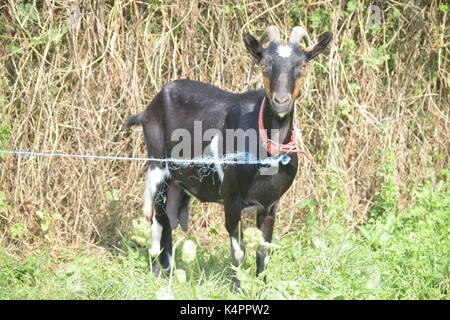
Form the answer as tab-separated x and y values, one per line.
135	120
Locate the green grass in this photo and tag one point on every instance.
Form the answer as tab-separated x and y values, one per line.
401	255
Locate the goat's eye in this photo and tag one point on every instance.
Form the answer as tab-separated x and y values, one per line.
299	68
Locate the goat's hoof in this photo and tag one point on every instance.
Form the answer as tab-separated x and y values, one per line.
236	287
159	270
155	268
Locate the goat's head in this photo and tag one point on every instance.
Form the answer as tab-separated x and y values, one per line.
283	65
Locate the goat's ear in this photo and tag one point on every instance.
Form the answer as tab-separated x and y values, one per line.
253	46
319	47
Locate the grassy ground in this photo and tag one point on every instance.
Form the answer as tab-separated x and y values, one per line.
401	255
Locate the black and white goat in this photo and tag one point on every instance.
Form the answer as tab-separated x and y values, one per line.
182	103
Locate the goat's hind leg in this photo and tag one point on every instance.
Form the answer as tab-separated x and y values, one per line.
165	239
158	178
161	232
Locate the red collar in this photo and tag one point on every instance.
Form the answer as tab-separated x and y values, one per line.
273	147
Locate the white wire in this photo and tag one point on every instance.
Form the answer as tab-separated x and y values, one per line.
201	160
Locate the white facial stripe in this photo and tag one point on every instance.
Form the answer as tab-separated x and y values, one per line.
156	238
238	253
215	153
154	177
284	51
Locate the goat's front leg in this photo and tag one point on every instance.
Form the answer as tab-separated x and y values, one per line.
265	220
232	223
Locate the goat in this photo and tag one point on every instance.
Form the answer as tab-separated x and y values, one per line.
239	187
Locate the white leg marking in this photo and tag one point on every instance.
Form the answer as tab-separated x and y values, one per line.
238	252
215	153
170	263
154	177
156	238
266	260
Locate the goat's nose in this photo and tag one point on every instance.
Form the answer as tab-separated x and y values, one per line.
281	99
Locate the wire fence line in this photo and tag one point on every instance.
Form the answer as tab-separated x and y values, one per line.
227	159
